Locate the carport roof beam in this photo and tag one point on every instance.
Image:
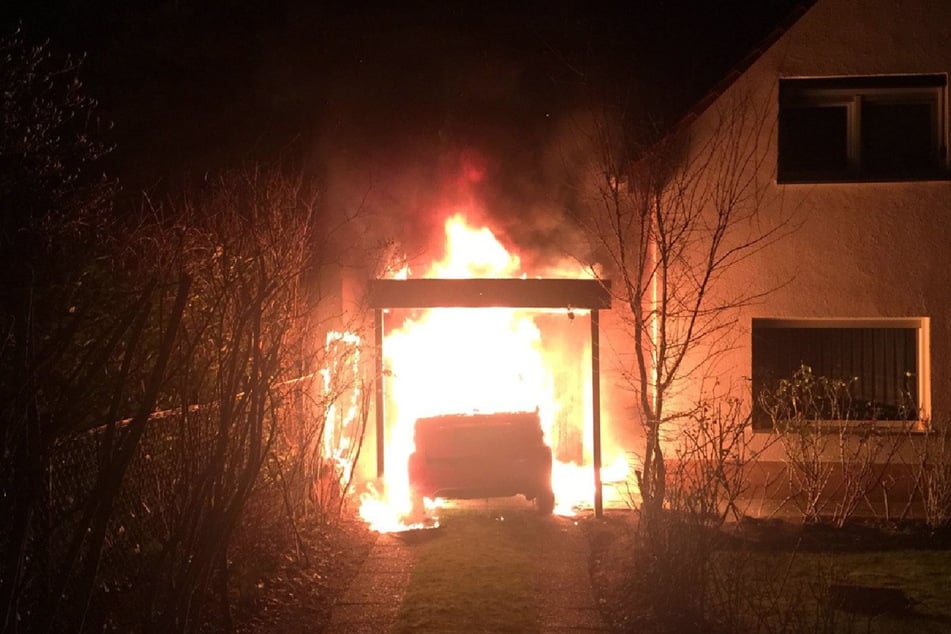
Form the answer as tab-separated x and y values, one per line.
484	293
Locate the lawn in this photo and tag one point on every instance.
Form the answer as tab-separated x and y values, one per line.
924	576
475	573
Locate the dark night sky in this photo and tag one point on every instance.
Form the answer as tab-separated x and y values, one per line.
382	92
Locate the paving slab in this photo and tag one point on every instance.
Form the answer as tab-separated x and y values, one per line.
372	602
566	597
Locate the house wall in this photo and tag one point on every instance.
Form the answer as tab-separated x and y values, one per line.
854	250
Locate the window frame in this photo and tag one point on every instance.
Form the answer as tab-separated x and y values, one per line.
852	92
923	349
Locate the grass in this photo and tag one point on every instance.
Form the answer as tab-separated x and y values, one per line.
790	590
475	573
923	575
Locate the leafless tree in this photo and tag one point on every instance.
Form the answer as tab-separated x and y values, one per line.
932	474
669	223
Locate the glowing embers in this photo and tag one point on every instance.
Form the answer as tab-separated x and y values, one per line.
386	512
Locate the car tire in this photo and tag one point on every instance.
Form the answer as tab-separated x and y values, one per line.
545	502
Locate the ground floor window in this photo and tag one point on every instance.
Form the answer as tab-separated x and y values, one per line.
879	365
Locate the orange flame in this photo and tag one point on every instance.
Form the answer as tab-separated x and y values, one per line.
342	391
459	360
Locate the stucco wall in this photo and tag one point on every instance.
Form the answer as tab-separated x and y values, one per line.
855	250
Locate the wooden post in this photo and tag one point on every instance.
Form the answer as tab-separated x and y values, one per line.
596	410
378	336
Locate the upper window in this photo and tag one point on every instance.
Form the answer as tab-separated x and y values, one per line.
889	127
872	369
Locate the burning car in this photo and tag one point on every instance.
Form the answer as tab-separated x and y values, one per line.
482	455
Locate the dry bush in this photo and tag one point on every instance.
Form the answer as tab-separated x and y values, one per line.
865	454
833	462
932	474
712	458
749	594
248	241
321	442
689	581
705	483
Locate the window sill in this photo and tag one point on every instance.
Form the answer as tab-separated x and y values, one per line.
816	180
880	427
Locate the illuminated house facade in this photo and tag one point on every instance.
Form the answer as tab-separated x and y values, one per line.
851	104
846	113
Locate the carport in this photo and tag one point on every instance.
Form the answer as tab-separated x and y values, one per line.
568	294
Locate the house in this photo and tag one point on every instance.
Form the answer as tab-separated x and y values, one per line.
847	110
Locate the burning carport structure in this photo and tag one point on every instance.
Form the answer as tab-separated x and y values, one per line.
567	294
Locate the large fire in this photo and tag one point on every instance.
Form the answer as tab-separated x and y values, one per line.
463	360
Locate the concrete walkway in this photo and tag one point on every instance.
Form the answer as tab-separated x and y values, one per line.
563	587
373	600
